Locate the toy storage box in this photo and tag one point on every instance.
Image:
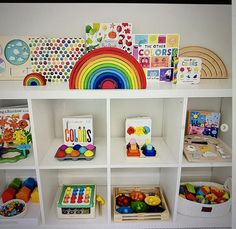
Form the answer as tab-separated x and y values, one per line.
191	208
140	216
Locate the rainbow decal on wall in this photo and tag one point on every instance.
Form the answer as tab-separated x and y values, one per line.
34	79
107	68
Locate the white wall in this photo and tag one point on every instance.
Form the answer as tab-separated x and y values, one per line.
205	25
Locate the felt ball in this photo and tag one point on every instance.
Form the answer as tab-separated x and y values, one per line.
63	147
82	150
76	147
88	153
69	150
60	154
90	147
75	153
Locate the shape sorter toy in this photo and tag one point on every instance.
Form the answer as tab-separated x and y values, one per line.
139	129
77	201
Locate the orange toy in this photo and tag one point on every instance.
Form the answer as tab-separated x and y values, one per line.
24	194
133	149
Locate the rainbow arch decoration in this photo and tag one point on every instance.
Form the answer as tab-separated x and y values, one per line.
107	68
34	79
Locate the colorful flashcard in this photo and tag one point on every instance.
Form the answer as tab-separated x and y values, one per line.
138	128
117	35
14	57
203	122
156	53
189	70
78	130
54	58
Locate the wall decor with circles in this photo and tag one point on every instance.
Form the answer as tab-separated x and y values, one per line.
54	58
14	57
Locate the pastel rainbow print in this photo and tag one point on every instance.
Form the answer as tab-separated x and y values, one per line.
107	68
34	79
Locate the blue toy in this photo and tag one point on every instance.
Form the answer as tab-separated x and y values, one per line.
30	183
148	150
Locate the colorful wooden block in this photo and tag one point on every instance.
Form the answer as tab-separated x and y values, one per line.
8	194
35	196
24	194
30	183
16	184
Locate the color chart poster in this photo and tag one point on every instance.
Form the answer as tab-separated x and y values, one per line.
54	58
156	53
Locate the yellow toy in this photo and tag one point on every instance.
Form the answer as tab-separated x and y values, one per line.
35	195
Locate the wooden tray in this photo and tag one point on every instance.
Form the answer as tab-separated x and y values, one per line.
140	216
212	66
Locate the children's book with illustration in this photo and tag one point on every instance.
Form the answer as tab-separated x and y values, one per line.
117	35
188	70
78	130
203	123
14	126
156	53
138	128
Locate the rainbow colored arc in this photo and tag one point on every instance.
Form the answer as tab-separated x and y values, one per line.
107	68
34	79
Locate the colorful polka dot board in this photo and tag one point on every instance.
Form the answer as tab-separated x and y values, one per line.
76	152
14	57
55	57
117	35
77	201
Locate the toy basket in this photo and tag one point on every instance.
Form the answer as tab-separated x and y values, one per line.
191	208
118	217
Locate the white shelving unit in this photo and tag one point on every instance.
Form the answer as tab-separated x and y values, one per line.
165	103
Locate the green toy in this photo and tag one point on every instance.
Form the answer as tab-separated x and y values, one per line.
12	155
139	206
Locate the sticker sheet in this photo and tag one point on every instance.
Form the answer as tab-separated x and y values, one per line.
156	53
14	57
189	70
109	35
54	58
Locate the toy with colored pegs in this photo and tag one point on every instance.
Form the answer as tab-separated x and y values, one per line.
34	79
100	202
133	149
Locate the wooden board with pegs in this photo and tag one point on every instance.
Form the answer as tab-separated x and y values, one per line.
212	66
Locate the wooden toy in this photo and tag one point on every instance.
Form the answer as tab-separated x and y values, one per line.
24	194
78	130
15	183
133	149
203	122
8	194
212	66
55	57
100	201
30	183
201	148
156	54
34	79
75	153
144	203
15	208
14	57
148	150
35	195
107	68
77	201
109	35
138	128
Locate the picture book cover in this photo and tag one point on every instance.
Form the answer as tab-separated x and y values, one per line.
15	126
78	130
14	57
203	122
156	53
117	35
55	57
138	128
188	70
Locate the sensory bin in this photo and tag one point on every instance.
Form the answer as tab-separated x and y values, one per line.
77	201
205	199
75	153
14	208
144	203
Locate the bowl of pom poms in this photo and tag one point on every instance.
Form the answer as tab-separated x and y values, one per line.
203	199
14	208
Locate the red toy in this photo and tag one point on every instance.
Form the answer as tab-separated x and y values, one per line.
8	194
133	149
